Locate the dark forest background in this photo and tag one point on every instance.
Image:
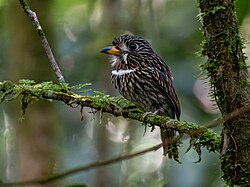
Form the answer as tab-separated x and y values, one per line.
52	136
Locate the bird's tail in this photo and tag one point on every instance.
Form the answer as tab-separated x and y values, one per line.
170	146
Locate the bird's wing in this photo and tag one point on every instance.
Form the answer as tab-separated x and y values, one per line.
164	81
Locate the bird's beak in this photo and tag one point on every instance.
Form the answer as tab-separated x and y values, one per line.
111	50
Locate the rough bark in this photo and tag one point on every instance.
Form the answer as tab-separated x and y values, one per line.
228	75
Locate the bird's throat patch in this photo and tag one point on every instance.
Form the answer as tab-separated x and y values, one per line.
125	58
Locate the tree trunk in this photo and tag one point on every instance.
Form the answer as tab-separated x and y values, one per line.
228	75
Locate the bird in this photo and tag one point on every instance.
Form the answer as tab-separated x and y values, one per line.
142	77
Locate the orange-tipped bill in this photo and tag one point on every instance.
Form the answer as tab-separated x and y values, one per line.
111	50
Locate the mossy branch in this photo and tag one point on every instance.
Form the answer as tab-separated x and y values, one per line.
30	92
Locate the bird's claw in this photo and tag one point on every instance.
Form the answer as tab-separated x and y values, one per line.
144	116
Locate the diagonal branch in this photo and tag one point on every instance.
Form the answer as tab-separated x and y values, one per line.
118	106
31	92
81	168
45	43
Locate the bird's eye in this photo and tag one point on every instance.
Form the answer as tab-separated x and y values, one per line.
132	46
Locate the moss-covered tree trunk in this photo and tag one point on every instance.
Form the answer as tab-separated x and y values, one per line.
228	75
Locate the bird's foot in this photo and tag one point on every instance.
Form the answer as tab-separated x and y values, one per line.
144	116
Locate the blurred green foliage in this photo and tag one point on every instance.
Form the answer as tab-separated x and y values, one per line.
82	27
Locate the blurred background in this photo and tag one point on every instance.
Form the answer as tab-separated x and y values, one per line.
52	137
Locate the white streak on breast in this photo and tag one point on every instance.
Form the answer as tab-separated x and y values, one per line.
113	60
122	71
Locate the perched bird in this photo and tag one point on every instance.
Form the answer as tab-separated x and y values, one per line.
142	77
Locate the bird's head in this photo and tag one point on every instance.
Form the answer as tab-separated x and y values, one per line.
128	48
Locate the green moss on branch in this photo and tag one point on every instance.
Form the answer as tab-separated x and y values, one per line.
30	92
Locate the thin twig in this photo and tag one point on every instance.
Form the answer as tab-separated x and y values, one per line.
81	169
42	36
226	117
